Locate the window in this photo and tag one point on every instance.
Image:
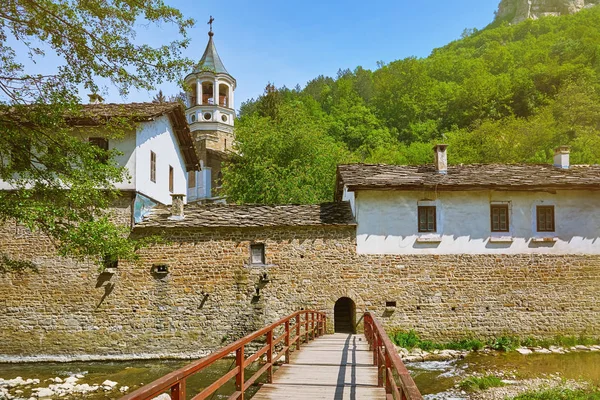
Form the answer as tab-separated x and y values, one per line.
545	218
499	217
191	179
153	166
171	183
99	142
102	144
257	253
427	221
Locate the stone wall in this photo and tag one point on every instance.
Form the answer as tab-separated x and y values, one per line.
208	298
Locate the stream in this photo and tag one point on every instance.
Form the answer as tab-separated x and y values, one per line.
434	378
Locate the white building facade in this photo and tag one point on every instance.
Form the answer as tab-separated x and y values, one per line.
474	209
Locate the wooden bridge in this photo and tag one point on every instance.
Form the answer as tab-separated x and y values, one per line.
315	365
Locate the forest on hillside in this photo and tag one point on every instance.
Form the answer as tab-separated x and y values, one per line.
504	94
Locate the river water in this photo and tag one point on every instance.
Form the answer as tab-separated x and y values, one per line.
432	377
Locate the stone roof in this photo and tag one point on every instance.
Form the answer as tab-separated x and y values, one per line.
251	216
210	60
467	177
98	114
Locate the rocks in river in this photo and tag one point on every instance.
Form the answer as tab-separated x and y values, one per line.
163	396
18	381
123	389
541	350
108	385
437	355
43	393
523	350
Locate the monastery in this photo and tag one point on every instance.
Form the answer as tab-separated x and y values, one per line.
449	251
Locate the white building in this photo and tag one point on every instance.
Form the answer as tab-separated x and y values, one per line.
474	209
157	154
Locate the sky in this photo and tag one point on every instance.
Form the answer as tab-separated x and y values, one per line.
289	42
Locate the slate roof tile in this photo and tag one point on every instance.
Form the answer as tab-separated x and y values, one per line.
468	177
251	215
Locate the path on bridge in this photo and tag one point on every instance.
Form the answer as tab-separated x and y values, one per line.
333	367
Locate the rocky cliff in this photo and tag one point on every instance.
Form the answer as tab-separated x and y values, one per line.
519	10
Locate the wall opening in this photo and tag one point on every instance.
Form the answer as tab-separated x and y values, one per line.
344	315
208	96
223	95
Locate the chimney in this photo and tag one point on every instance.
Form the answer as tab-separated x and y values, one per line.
95	98
561	157
177	207
441	158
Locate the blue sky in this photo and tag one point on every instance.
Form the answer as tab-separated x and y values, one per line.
289	42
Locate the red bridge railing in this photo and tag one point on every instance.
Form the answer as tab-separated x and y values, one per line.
303	325
391	370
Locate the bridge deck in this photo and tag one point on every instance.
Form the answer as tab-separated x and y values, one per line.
333	367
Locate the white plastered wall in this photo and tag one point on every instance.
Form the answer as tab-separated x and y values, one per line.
387	223
158	136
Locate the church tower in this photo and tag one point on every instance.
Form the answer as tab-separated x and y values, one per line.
210	94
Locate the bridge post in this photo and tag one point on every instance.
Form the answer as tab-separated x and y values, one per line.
270	357
306	329
178	391
287	341
312	325
298	331
239	378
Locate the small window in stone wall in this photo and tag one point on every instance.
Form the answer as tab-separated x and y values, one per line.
257	253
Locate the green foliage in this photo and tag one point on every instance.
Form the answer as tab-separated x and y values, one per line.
474	383
41	154
410	340
504	343
560	394
504	94
286	159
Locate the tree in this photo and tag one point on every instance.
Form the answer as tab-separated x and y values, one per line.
40	156
287	159
159	98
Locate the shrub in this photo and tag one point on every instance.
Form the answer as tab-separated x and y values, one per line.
504	343
408	340
474	383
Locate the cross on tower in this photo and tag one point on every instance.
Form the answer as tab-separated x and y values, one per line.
210	22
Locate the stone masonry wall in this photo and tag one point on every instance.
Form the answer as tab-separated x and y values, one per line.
208	298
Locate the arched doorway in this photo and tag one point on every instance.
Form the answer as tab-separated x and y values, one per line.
344	315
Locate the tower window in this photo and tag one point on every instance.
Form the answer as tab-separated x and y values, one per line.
208	96
153	166
207	116
171	179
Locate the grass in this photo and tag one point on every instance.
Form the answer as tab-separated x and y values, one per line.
560	394
475	383
410	340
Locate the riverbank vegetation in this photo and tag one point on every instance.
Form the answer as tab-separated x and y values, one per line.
504	94
474	383
561	394
410	340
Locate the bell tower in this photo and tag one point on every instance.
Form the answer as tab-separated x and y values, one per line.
210	114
